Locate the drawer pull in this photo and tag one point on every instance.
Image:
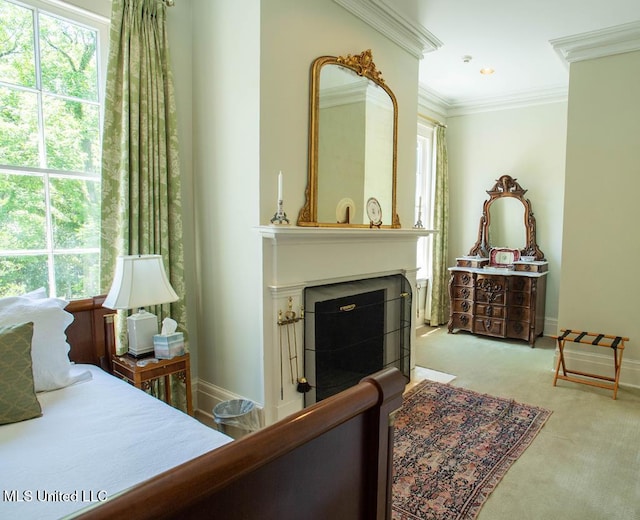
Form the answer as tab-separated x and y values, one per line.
347	308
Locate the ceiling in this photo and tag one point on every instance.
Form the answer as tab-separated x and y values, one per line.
512	37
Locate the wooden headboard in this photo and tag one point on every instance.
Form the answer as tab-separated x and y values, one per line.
91	334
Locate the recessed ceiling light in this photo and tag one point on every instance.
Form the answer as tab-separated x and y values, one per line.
487	71
466	58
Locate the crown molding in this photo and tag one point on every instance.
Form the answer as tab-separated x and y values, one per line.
598	44
410	36
522	99
432	100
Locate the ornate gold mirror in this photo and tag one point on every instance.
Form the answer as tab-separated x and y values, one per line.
353	120
507	221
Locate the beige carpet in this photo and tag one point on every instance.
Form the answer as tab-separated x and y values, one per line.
584	464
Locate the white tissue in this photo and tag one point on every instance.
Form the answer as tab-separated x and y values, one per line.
169	326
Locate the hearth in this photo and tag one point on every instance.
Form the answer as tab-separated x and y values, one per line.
353	329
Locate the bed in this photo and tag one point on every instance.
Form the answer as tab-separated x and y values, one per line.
331	460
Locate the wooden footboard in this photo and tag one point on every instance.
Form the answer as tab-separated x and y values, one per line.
331	460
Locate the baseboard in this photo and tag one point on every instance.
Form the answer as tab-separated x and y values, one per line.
602	364
209	395
550	326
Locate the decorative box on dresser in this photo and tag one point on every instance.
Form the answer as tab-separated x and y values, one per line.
499	302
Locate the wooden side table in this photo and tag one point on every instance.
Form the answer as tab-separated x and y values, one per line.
126	367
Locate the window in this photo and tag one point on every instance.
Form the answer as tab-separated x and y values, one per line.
50	136
424	197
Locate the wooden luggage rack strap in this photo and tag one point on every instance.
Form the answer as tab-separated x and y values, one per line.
615	343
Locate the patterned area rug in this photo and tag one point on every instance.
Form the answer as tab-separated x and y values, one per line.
452	446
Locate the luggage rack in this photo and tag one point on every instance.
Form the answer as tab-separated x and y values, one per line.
615	343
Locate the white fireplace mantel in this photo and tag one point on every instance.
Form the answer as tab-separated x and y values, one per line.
293	233
296	257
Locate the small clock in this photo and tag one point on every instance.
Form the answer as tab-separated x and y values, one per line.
374	212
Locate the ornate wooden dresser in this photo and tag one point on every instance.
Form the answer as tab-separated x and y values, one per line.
500	291
505	303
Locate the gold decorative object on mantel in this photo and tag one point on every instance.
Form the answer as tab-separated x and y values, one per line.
353	128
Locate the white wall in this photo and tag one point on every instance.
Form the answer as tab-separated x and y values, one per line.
226	149
598	289
179	27
526	143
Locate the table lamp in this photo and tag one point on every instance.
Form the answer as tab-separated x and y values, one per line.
140	281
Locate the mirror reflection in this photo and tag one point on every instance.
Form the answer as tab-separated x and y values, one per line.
507	224
352	144
355	147
507	221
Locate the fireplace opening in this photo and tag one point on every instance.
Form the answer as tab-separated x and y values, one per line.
354	329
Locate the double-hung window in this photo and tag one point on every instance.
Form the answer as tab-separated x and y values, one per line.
424	197
51	92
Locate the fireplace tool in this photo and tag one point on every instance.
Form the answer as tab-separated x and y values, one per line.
288	320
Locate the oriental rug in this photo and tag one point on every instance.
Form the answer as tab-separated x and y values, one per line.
452	447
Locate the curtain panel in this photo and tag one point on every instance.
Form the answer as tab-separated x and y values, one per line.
439	312
141	197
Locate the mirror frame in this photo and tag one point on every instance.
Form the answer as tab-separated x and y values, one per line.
506	186
363	65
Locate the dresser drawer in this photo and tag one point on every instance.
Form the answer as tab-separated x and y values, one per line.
489	326
522	299
490	311
462	306
461	321
520	283
463	293
518	329
531	267
490	297
520	313
492	287
463	278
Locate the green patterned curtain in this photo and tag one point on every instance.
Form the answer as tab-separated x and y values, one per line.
141	199
439	312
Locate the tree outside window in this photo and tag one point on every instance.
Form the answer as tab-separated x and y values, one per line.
50	120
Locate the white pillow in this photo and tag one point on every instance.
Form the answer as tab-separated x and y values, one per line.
36	294
49	347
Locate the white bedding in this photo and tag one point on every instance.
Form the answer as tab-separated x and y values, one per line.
94	439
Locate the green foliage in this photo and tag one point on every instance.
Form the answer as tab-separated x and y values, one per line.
58	154
17	62
22	212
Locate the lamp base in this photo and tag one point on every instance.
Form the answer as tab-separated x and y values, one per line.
142	326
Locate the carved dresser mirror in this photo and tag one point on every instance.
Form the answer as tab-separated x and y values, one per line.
353	120
507	221
499	289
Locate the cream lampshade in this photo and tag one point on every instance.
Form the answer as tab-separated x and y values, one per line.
140	281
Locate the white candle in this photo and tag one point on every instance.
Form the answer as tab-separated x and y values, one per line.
280	186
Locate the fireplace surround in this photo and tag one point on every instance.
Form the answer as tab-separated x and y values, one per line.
296	258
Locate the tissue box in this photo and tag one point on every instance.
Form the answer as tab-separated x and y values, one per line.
167	346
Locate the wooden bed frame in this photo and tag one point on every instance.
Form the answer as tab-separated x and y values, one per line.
331	460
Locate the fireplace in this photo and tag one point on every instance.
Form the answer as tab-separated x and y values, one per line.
297	260
354	329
